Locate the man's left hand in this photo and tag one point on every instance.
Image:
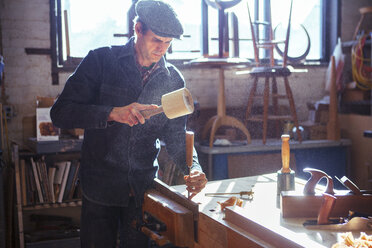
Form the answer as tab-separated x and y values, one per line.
195	182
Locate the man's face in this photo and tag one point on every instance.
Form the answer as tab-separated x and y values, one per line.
150	47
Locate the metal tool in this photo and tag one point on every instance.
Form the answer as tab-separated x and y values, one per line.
249	194
340	225
308	202
174	104
286	176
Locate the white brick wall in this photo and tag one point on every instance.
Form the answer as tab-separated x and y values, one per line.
25	23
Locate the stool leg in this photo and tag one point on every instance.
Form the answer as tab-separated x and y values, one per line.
275	105
250	100
292	107
265	110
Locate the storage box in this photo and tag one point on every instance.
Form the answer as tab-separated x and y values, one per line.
77	132
315	131
355	95
45	130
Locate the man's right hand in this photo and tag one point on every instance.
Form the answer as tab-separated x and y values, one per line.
130	114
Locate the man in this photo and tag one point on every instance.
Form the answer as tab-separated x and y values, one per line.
119	154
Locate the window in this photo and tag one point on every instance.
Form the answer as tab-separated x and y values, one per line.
308	14
81	25
93	24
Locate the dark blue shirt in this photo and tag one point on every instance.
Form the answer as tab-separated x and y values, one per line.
116	157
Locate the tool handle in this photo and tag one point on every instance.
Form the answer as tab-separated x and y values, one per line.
189	152
189	148
285	153
316	175
151	112
328	203
158	239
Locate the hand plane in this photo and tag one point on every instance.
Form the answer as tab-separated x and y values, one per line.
308	203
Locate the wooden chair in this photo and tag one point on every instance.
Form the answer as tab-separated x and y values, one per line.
363	12
267	72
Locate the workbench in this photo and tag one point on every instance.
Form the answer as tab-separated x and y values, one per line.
241	159
259	224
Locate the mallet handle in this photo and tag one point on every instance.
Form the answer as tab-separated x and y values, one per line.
151	112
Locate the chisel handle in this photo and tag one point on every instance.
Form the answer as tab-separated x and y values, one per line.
189	148
189	152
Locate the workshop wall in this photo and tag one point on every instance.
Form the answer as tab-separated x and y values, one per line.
25	24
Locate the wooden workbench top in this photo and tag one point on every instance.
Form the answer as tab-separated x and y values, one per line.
263	225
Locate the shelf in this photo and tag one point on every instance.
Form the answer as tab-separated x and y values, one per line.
56	243
75	203
55	146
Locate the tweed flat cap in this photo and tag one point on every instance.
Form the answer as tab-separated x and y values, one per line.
160	18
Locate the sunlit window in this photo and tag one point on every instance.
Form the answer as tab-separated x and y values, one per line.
92	24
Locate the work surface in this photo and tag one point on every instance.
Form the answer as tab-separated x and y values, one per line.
264	225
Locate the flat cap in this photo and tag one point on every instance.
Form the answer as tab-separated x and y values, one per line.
160	18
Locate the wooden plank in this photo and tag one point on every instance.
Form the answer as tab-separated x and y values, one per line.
260	223
276	236
19	196
175	196
23	181
211	233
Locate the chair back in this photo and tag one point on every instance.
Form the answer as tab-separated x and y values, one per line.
270	42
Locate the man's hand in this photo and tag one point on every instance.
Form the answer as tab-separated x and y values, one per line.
195	182
130	114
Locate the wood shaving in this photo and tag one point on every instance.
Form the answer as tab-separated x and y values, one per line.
231	202
364	241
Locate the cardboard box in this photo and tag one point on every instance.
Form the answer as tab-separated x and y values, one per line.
355	95
318	111
315	131
45	130
77	132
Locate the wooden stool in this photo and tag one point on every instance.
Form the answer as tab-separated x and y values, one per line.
221	119
272	73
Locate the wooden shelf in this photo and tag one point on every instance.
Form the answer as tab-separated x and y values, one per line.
75	203
51	149
270	117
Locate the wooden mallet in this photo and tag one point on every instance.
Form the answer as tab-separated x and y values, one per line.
189	152
174	104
